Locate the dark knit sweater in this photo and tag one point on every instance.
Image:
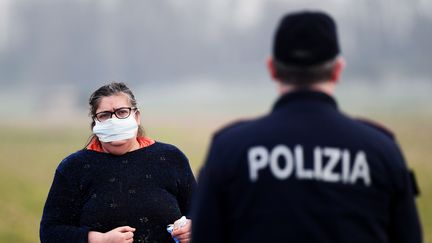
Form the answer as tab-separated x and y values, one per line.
147	189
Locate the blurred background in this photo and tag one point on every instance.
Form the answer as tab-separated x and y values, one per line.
193	66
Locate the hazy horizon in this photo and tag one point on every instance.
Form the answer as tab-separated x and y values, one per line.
201	58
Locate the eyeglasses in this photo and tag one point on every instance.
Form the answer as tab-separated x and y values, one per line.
120	113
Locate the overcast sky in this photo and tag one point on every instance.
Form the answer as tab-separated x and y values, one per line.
214	51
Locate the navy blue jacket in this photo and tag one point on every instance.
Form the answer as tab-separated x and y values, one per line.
305	173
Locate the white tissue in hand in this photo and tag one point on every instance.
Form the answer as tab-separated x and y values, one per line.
170	228
182	221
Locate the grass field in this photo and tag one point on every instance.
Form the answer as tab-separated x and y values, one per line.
30	154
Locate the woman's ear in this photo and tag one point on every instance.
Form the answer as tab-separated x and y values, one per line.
138	117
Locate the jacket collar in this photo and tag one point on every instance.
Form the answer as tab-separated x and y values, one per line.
304	95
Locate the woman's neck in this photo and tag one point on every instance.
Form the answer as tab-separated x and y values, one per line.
120	147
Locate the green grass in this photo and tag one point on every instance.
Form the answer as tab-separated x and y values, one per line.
414	136
29	156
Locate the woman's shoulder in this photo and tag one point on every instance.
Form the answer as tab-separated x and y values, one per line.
165	147
168	150
74	161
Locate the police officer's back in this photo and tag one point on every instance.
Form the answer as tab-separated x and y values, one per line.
305	172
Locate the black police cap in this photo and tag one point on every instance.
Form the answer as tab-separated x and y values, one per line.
305	39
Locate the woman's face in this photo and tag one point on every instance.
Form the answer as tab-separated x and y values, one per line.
111	103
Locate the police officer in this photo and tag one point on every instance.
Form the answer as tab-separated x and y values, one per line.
305	172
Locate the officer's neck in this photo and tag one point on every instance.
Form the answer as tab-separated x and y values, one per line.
326	87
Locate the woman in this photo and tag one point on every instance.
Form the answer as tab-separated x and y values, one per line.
123	186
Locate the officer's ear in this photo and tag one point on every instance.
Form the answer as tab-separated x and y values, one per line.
337	70
271	69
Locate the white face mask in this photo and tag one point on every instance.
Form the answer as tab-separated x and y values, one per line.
115	129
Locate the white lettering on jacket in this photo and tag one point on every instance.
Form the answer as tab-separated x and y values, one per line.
333	165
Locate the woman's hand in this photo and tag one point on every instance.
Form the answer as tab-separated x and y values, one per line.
182	230
122	234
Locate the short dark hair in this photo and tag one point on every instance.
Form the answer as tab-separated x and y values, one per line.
304	75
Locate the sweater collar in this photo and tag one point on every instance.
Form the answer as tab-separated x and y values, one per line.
304	95
95	144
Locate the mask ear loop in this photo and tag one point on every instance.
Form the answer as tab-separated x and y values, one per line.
140	129
134	111
137	110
